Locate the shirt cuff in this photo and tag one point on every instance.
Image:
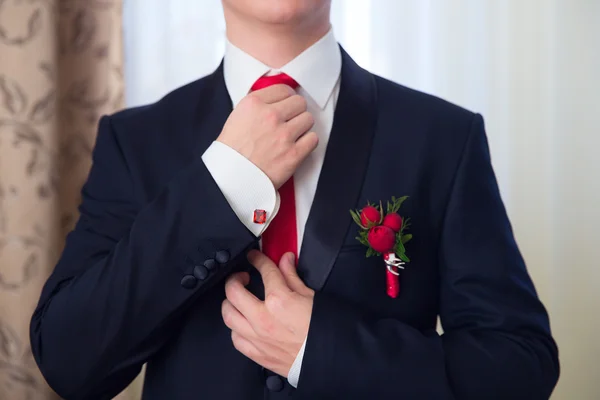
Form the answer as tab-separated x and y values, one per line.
245	187
294	374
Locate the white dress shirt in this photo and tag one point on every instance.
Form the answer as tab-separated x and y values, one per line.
245	186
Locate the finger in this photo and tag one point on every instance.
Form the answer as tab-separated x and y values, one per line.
271	276
244	301
245	346
287	266
235	321
305	145
290	107
243	277
274	94
299	125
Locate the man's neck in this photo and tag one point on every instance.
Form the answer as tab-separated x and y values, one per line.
274	45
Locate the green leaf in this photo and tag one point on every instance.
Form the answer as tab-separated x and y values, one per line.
398	203
381	212
371	224
406	238
356	218
362	240
405	224
400	249
371	252
403	257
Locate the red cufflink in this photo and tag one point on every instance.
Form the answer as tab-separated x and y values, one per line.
260	216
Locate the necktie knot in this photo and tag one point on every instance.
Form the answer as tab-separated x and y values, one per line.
266	81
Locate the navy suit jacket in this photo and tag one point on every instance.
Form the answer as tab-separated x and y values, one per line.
126	291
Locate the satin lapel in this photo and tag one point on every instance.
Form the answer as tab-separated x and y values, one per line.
213	110
342	176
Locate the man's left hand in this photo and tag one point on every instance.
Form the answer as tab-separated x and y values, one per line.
270	333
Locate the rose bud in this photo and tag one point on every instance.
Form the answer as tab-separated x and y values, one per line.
382	239
369	216
393	221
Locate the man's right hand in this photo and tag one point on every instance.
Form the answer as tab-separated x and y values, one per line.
269	127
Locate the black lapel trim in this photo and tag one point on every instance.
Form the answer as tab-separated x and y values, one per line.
343	173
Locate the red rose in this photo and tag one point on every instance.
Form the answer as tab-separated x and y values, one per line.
382	239
369	215
393	221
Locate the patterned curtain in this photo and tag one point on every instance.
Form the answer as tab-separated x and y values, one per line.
60	70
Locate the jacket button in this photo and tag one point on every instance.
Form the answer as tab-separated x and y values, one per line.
189	282
274	383
210	264
200	272
222	256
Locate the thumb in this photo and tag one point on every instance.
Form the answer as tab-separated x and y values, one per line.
287	266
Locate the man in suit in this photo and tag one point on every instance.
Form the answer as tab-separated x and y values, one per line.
270	152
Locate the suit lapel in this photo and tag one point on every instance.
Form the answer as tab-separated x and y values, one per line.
342	175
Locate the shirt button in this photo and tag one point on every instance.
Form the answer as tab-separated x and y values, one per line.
274	383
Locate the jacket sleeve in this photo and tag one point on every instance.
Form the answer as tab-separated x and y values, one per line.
497	342
127	274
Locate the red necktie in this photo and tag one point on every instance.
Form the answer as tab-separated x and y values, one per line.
281	236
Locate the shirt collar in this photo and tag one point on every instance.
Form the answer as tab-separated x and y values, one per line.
316	70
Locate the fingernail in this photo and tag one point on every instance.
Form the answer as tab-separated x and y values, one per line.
292	258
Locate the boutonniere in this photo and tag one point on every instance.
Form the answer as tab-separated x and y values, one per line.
384	235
